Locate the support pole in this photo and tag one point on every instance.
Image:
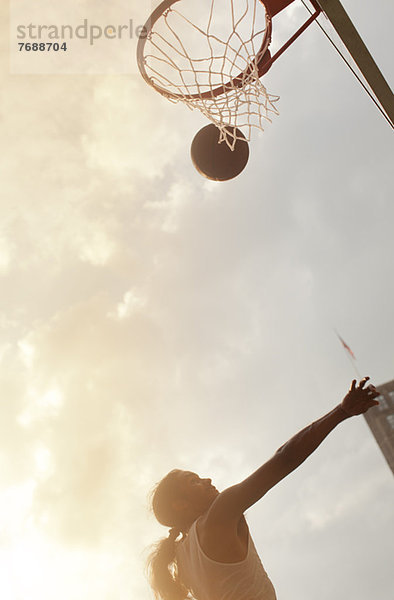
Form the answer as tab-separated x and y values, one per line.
360	53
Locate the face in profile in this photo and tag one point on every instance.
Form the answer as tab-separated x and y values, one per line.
196	492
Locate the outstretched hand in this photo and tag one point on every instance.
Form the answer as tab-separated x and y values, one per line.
359	399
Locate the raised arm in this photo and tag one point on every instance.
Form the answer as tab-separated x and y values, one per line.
233	502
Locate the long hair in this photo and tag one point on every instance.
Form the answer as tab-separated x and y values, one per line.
162	566
163	572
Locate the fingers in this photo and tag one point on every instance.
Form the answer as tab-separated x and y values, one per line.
363	382
372	392
359	399
372	403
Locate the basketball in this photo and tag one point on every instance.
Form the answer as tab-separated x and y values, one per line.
217	161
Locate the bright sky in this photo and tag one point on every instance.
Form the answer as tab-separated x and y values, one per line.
151	320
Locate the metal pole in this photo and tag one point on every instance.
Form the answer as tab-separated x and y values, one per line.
360	53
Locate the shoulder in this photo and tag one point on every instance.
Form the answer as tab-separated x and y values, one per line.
223	541
232	503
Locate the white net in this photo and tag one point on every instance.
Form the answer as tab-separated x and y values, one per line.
194	48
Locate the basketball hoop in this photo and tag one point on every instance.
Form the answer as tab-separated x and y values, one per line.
211	55
207	55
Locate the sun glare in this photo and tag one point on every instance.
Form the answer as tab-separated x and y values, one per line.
43	461
26	352
40	406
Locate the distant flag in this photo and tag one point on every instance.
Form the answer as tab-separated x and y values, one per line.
344	344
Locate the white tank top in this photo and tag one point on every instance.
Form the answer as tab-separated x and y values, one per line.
212	580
